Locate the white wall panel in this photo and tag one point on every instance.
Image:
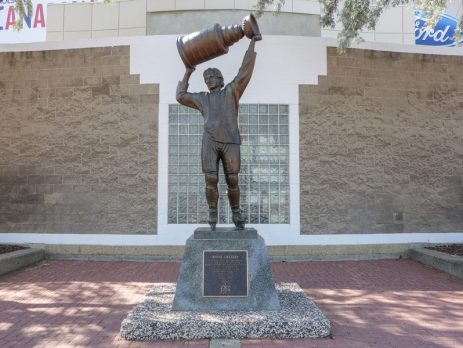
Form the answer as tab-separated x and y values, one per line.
132	14
55	17
160	5
389	37
132	31
306	6
189	4
77	35
105	33
215	5
55	36
390	21
78	17
105	16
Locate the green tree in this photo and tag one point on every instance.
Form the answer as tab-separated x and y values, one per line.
357	15
23	8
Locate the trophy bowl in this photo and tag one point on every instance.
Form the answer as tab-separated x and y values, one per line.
209	43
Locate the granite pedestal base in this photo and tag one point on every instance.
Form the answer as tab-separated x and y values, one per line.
154	319
260	292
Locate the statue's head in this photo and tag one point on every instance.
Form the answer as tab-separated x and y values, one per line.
213	79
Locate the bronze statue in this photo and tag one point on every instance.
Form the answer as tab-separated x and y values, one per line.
219	107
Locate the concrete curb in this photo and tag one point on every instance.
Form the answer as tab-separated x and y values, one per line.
18	259
450	264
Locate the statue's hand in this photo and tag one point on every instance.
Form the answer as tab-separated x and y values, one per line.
257	37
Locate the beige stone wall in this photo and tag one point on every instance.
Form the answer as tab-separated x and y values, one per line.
78	143
381	145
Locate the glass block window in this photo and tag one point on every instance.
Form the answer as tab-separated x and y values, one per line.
264	176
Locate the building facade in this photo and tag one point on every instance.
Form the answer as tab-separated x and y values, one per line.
353	154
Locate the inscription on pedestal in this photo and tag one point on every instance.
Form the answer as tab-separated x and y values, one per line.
225	273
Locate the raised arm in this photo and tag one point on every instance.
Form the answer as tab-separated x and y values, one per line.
244	74
183	96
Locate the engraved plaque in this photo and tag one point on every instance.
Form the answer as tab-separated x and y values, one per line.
225	273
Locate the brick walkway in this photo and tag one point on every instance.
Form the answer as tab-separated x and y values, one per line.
370	303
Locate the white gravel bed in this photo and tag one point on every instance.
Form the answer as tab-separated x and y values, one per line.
153	319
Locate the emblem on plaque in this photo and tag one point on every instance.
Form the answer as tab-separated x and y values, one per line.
225	288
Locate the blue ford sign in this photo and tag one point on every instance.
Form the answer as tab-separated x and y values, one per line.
441	35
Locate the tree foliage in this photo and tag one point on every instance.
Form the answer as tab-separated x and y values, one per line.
357	15
23	9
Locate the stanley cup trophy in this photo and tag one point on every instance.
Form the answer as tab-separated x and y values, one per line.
219	107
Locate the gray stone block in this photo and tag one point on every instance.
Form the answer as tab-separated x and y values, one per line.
261	287
451	264
18	259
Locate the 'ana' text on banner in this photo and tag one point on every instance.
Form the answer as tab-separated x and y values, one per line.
34	26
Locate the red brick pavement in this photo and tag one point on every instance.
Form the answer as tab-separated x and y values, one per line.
384	303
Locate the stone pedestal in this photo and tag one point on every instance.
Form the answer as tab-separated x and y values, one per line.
225	254
250	308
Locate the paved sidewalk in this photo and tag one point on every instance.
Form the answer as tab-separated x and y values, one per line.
386	303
